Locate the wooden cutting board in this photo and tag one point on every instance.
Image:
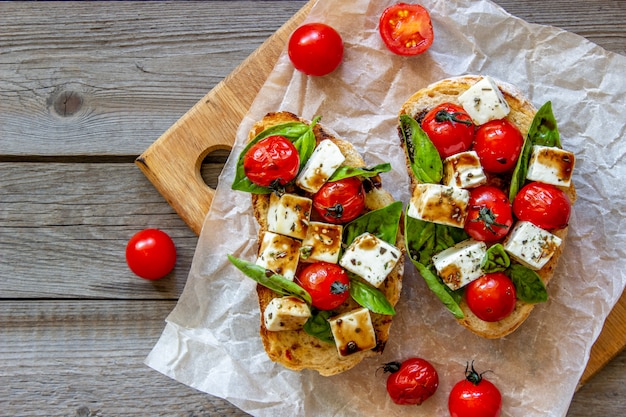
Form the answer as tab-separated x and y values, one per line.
172	163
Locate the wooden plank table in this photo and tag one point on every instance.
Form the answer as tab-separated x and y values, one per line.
84	89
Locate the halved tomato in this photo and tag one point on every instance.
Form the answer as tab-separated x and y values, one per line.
406	29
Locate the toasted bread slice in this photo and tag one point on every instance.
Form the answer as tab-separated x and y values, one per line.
297	350
521	114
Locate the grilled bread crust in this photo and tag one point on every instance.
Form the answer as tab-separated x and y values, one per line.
297	350
521	114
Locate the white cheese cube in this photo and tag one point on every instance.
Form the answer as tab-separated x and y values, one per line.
353	332
439	204
530	245
280	254
484	102
460	264
551	165
322	243
286	313
324	161
463	170
370	258
289	215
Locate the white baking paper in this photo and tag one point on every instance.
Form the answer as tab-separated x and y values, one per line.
211	339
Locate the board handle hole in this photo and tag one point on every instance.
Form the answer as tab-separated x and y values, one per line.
212	166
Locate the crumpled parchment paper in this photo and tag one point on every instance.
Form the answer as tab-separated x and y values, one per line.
211	340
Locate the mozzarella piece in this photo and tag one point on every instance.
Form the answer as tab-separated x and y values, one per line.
279	254
530	245
370	258
484	101
551	165
460	264
286	313
322	243
353	332
439	204
463	170
289	215
324	161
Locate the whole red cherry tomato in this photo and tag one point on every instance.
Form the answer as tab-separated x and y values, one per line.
543	205
474	396
449	128
272	161
340	201
498	144
491	297
411	382
489	216
328	284
315	49
406	29
151	254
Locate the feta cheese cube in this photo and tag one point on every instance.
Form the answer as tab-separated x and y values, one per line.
484	101
530	245
286	313
324	161
289	215
370	258
322	243
439	204
460	264
551	165
353	332
280	254
463	170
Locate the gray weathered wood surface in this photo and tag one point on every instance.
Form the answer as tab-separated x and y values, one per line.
84	88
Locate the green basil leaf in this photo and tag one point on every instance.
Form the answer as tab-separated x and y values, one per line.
370	298
543	131
423	156
271	280
496	259
318	326
448	236
425	239
305	144
528	284
448	297
344	172
300	134
420	239
383	223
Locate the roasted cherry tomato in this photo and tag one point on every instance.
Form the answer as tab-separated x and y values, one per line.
489	216
328	284
543	205
340	201
498	144
151	254
411	382
449	128
273	161
315	49
474	396
491	297
406	29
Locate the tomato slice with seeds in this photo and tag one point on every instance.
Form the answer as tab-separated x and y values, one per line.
406	29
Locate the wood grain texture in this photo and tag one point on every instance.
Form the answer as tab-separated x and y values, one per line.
85	87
